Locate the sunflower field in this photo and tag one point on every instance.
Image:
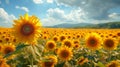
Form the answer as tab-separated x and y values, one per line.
28	44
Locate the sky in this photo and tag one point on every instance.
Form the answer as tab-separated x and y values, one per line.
53	12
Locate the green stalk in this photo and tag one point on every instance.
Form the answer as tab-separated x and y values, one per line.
32	62
109	56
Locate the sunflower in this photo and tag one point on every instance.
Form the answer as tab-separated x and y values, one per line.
50	45
56	50
7	39
1	41
27	28
113	64
67	43
14	41
78	36
3	62
64	53
76	44
52	58
50	61
62	38
45	37
1	46
110	44
69	37
118	34
93	41
55	38
82	60
8	48
47	64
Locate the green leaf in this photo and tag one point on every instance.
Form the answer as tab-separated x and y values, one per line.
18	49
100	64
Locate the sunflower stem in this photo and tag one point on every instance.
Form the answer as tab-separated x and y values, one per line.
92	54
31	62
31	58
109	56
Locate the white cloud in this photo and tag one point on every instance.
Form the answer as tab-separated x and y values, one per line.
56	13
49	1
58	16
114	15
76	16
66	2
23	8
42	1
5	18
89	6
83	11
38	1
50	21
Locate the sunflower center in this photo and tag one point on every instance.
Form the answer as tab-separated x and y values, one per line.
78	36
113	65
76	45
51	45
69	37
7	39
109	43
8	50
0	48
64	54
67	43
27	29
55	39
76	42
118	34
45	37
92	42
48	64
14	40
62	38
0	41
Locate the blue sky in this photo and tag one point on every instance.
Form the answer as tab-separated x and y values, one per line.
53	12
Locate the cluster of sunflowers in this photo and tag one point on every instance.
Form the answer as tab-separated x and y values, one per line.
27	44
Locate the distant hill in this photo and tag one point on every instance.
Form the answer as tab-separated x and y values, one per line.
88	25
67	25
108	25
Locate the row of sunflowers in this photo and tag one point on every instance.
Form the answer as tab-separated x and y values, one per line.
27	44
